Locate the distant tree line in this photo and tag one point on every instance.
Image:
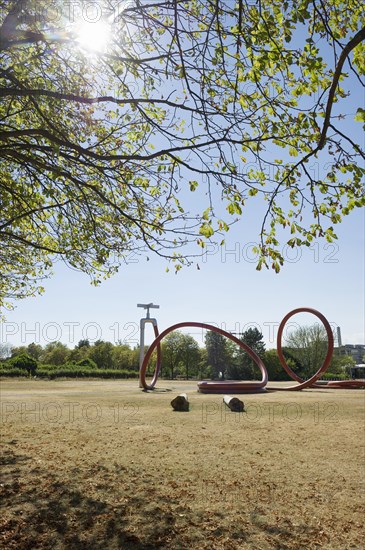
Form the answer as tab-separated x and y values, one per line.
182	357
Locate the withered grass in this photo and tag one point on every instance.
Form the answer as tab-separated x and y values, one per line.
102	465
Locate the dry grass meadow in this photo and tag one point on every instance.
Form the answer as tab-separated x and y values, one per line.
102	465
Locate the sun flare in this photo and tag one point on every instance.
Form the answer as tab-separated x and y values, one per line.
94	36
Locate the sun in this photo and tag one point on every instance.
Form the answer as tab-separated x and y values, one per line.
94	37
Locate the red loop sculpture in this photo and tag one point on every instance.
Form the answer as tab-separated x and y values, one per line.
216	387
236	386
330	344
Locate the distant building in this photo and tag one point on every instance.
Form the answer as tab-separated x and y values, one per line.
356	351
358	371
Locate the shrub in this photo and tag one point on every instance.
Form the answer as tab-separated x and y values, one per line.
11	372
87	362
332	376
77	371
70	370
24	362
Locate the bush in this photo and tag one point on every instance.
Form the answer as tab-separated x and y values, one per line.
87	362
332	376
77	371
23	362
71	370
9	371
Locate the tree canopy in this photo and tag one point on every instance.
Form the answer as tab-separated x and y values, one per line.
180	352
243	367
307	347
218	354
102	144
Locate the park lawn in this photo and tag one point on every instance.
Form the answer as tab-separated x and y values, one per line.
101	464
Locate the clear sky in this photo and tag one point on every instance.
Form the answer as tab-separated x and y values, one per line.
226	290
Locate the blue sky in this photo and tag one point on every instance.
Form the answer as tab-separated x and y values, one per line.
226	290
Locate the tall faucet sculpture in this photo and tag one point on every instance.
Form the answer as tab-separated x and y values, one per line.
142	325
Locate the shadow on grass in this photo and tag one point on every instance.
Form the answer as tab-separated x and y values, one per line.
41	511
82	512
284	530
60	517
158	390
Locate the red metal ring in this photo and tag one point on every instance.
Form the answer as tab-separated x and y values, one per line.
207	387
248	386
305	383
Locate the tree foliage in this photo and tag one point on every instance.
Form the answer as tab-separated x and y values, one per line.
341	363
218	354
55	353
24	362
87	362
191	356
100	150
243	367
273	366
102	354
35	350
307	348
180	352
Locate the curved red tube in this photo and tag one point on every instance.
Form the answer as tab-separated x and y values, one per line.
211	385
236	386
311	381
352	384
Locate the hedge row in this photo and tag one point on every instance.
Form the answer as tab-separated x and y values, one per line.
76	371
69	371
331	376
8	371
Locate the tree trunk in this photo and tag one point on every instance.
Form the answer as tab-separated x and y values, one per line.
233	403
180	403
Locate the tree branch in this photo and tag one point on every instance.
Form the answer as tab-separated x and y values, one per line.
13	92
359	37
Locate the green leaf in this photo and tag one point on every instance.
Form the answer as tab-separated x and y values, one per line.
206	214
360	115
206	230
